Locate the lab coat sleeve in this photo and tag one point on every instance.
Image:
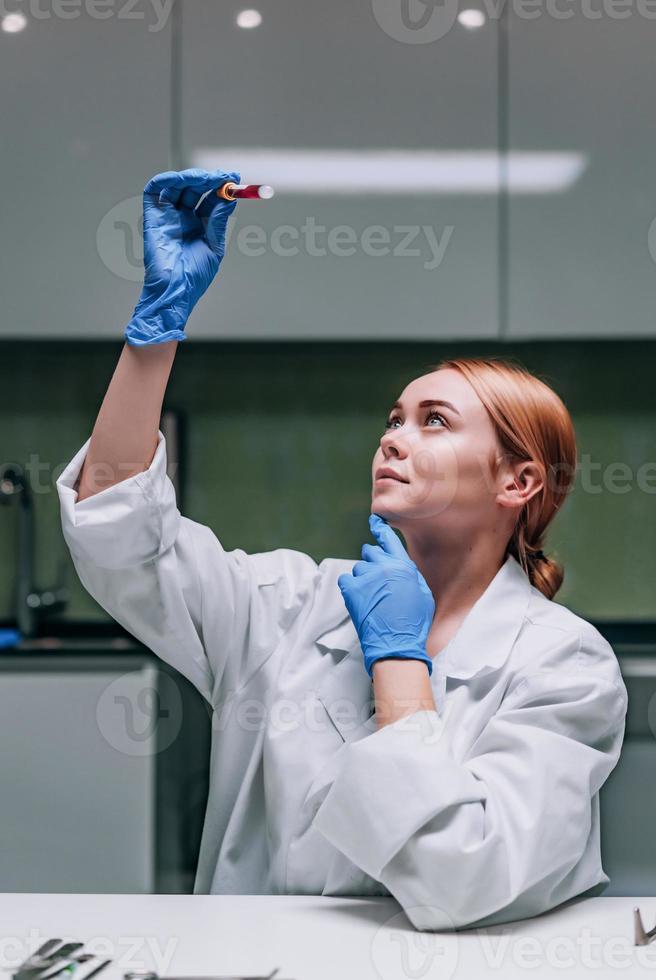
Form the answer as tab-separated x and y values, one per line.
457	841
214	615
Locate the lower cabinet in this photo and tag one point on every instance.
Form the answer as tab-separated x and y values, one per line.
627	798
78	754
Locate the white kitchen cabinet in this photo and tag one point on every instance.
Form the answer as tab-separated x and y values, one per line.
628	802
78	752
86	120
329	79
582	262
629	849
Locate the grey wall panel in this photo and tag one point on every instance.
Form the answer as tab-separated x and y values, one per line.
86	121
582	263
330	78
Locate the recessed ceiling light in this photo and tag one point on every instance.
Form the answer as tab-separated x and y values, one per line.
249	18
471	18
13	23
376	171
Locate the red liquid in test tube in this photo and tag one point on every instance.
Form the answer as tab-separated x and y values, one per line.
234	192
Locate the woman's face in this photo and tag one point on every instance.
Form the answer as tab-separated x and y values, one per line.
443	453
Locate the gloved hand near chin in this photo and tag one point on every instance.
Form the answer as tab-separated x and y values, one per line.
388	600
183	249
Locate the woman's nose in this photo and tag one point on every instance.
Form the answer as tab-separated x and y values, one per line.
392	443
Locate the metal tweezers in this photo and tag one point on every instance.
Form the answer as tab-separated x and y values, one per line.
55	958
641	938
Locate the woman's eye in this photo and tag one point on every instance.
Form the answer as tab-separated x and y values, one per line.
390	422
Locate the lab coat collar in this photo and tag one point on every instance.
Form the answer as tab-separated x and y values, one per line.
485	637
487	633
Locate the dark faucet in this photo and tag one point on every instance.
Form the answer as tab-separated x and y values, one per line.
31	605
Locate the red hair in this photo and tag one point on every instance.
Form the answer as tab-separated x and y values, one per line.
531	423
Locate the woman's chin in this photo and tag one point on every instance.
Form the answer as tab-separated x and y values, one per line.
390	514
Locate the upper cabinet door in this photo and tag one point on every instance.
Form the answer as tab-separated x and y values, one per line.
86	122
377	125
582	254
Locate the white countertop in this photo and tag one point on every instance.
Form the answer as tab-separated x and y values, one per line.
316	938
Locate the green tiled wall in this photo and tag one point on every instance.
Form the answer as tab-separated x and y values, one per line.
281	437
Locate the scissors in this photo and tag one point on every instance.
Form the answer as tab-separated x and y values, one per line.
55	958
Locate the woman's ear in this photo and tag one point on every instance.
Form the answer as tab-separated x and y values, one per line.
519	482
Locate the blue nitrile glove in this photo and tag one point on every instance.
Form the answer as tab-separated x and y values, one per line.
9	638
388	600
183	249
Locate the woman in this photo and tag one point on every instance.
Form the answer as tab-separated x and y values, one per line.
424	723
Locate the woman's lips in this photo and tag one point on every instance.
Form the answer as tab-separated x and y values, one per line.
388	473
390	479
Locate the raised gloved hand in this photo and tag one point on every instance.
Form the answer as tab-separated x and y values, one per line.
388	600
183	249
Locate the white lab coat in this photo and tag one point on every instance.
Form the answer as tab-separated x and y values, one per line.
483	811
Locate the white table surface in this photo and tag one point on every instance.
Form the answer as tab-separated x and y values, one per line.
316	938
